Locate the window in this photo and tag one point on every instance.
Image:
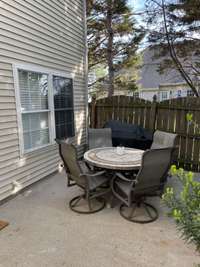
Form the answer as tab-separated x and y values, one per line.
63	105
190	93
164	95
136	94
34	108
45	108
179	93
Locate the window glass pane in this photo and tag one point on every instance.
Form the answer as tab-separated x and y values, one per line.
136	94
179	93
35	130
63	132
63	105
33	90
63	92
190	93
63	117
164	96
40	138
64	124
27	141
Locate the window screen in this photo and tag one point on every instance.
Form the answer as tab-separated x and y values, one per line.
34	108
63	106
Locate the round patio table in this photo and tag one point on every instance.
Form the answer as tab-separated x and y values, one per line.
115	158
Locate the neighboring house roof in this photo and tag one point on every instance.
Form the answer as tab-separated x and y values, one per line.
150	77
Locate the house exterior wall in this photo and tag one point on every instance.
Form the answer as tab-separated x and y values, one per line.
148	94
173	90
48	34
165	92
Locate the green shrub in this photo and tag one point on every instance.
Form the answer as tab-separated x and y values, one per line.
184	206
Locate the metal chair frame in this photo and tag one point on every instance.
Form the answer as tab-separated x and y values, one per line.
70	182
89	194
136	199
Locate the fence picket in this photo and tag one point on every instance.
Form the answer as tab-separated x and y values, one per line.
169	115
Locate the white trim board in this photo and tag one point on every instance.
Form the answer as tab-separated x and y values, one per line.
39	69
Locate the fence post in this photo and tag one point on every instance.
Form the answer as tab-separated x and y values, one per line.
153	115
93	113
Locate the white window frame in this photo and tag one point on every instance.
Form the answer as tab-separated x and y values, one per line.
50	73
167	96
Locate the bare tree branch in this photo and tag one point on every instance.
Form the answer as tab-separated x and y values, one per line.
173	55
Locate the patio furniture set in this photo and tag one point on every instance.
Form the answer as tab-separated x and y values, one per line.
127	174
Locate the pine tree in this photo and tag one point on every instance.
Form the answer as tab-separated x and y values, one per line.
190	12
113	40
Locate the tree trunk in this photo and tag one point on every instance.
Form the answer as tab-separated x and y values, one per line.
110	48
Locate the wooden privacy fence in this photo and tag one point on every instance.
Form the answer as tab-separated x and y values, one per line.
169	116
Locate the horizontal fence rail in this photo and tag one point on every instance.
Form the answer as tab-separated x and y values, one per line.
169	116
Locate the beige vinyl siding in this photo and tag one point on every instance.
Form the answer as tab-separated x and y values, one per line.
48	34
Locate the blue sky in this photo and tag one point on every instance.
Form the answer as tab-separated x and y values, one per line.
137	4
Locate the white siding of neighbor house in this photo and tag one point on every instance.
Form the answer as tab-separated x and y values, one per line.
48	34
148	94
172	90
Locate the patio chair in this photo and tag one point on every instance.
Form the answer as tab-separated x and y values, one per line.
163	139
90	182
70	182
148	182
101	137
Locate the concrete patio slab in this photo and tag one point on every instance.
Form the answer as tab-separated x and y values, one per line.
43	231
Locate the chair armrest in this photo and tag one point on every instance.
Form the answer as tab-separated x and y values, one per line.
93	174
122	177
